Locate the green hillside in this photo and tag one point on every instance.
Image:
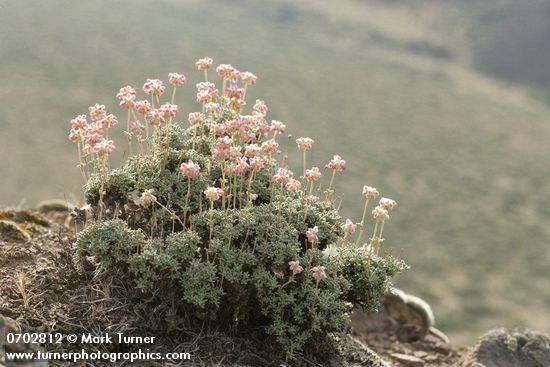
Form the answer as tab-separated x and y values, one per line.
386	85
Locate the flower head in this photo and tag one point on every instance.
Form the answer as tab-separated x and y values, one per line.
97	112
311	235
126	96
337	164
143	107
169	110
204	63
257	163
137	127
312	174
277	126
259	108
304	143
270	146
79	123
370	192
155	117
153	87
104	148
176	79
248	78
319	273
195	118
190	169
228	72
380	213
349	227
213	193
108	121
387	204
282	176
293	185
295	267
147	197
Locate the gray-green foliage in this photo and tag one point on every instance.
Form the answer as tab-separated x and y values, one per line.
229	267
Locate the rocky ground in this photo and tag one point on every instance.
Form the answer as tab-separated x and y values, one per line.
41	290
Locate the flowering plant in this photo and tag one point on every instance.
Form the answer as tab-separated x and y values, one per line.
206	213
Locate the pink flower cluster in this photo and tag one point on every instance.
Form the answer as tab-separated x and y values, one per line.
93	135
213	193
190	169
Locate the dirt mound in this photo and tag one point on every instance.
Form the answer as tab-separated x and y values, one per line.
44	289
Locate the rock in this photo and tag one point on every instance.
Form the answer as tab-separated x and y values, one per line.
409	361
509	348
407	316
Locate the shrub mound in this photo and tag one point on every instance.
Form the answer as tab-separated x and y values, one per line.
209	220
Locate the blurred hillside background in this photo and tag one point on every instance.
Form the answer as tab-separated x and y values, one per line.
443	106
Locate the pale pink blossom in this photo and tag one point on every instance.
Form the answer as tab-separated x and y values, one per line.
380	213
370	192
387	204
206	92
259	108
75	135
176	79
195	118
295	267
235	151
126	102
234	91
190	169
169	110
270	146
79	123
216	129
155	117
137	127
213	193
311	235
277	126
304	143
97	112
147	198
204	63
252	150
319	273
153	87
108	121
126	96
222	148
337	164
293	185
257	163
349	227
312	174
143	107
228	72
211	108
242	166
126	91
251	196
282	176
104	148
248	78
